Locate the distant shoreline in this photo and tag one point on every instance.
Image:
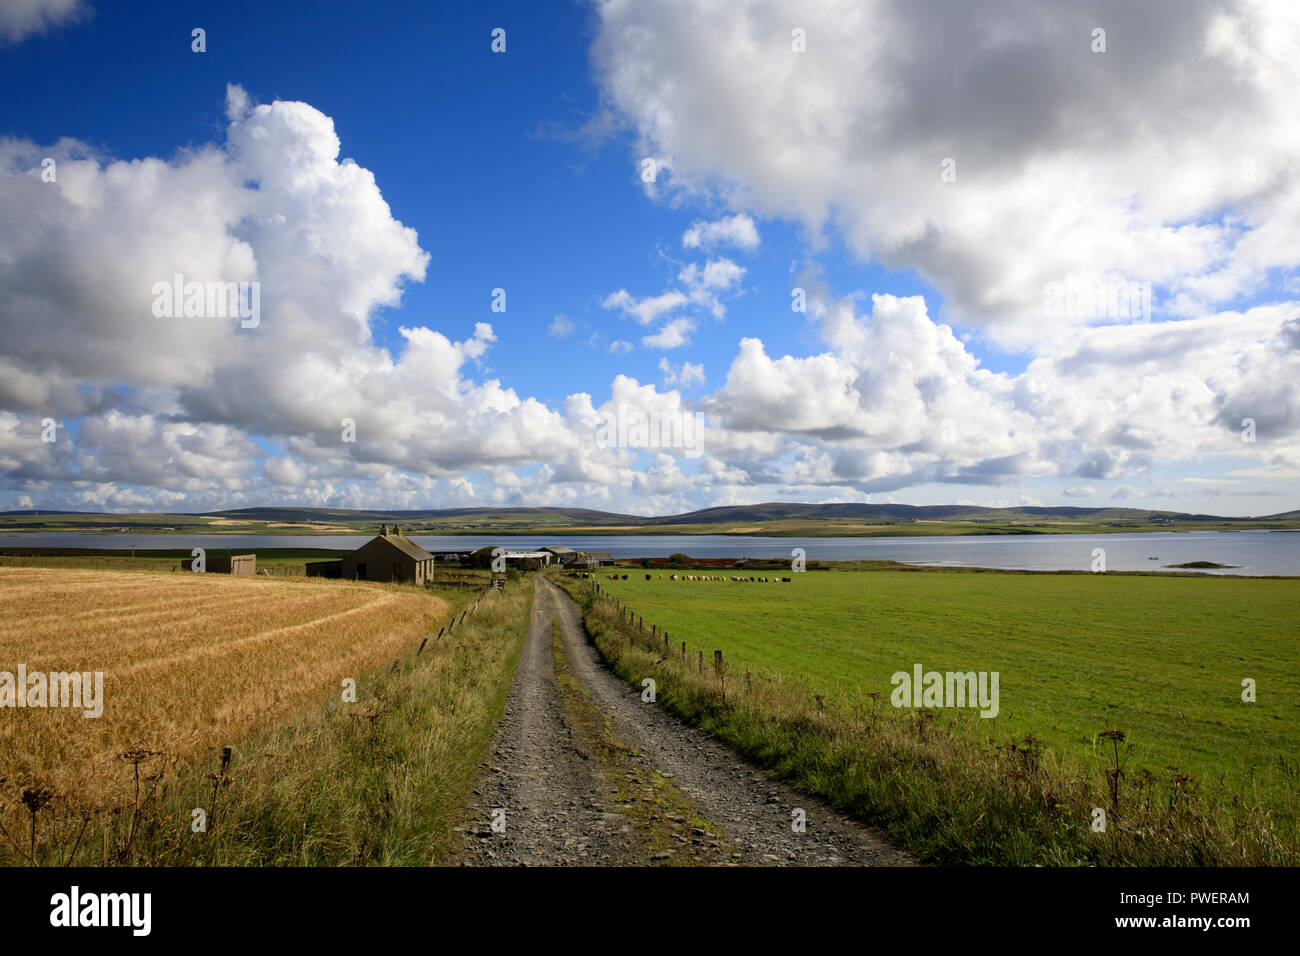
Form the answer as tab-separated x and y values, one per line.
629	564
892	531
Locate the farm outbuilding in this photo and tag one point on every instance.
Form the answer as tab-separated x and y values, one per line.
226	564
234	564
528	560
560	554
389	556
586	560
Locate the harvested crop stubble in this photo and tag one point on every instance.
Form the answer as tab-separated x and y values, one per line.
190	661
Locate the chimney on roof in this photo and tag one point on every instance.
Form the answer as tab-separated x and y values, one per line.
383	530
397	530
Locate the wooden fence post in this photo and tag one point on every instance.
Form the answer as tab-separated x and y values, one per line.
701	662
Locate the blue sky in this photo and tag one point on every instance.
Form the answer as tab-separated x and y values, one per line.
480	153
521	171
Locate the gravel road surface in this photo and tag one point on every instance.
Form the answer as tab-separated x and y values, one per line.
589	775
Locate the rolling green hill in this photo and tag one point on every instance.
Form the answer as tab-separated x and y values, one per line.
774	518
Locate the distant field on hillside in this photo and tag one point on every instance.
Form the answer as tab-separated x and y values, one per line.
856	528
1161	659
781	520
190	661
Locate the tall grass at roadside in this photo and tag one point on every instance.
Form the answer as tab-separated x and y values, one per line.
382	780
936	787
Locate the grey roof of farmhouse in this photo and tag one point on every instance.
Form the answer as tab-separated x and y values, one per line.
406	546
558	549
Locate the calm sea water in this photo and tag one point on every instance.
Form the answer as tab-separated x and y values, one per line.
1252	552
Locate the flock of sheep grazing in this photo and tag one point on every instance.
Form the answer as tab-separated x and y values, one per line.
723	577
700	577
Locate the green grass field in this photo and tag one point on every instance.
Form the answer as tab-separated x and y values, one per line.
1161	659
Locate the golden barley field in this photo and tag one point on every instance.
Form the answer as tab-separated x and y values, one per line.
190	662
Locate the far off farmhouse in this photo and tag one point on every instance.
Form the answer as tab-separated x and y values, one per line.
389	556
558	555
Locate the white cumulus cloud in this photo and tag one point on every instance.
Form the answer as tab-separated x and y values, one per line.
1115	166
738	230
